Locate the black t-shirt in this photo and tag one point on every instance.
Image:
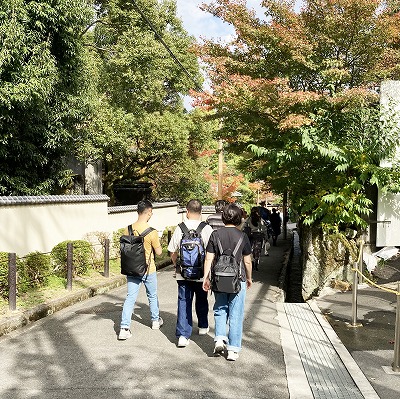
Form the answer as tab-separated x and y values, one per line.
229	237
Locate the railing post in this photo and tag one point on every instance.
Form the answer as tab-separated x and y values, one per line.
360	262
107	257
396	361
357	266
12	281
354	291
70	255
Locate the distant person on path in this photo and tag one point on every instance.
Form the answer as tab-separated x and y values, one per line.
151	243
276	223
188	289
256	228
264	211
229	308
215	220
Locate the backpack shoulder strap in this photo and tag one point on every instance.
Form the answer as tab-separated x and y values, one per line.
147	231
200	227
239	243
221	250
130	231
184	228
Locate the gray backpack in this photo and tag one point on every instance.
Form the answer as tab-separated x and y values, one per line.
226	272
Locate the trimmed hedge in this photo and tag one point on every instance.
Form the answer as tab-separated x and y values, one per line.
35	269
4	275
82	258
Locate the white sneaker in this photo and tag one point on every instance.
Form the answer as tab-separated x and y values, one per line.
204	331
124	333
156	324
182	342
219	346
232	356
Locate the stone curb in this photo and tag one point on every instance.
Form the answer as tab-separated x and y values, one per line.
45	309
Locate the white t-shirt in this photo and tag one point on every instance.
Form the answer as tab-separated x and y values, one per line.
175	242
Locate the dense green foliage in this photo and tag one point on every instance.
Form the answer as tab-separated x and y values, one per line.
3	274
299	89
93	80
82	258
42	100
35	270
141	128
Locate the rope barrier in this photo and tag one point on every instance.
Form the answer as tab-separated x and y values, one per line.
376	285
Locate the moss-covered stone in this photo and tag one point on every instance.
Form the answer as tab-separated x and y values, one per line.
325	257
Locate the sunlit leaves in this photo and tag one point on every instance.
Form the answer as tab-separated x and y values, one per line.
299	89
41	86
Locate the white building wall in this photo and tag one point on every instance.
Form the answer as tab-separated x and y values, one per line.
39	223
388	214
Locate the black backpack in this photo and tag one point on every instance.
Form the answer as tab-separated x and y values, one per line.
191	252
226	272
133	257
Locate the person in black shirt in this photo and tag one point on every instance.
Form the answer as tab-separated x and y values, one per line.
276	223
215	220
229	307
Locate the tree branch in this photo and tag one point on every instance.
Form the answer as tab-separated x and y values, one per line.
97	21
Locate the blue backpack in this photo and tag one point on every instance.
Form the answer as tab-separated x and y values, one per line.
192	253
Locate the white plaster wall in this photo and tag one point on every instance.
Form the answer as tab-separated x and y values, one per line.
38	227
28	227
388	214
164	215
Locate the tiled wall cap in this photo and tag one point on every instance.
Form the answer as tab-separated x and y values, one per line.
130	208
47	199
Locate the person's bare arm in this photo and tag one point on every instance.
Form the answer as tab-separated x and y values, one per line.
207	267
158	250
248	268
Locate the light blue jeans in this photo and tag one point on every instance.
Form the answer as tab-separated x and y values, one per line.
134	283
230	308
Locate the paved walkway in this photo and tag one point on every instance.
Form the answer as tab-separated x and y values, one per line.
289	351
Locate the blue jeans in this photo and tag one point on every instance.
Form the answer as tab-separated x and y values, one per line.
186	291
230	308
134	283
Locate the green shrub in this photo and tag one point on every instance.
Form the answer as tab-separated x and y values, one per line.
98	241
34	270
4	274
82	257
114	243
164	237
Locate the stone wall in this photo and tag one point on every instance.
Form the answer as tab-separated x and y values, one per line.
325	258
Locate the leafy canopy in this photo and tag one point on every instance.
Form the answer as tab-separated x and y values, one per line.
299	90
42	100
141	128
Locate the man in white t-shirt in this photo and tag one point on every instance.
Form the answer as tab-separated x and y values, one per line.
188	289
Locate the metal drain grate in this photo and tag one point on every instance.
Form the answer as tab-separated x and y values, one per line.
325	371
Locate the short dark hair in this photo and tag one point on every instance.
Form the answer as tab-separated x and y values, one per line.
143	206
194	206
232	214
219	206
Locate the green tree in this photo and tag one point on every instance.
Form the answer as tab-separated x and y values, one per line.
140	124
299	90
42	92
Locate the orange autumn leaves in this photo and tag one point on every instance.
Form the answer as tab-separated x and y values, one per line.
283	67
